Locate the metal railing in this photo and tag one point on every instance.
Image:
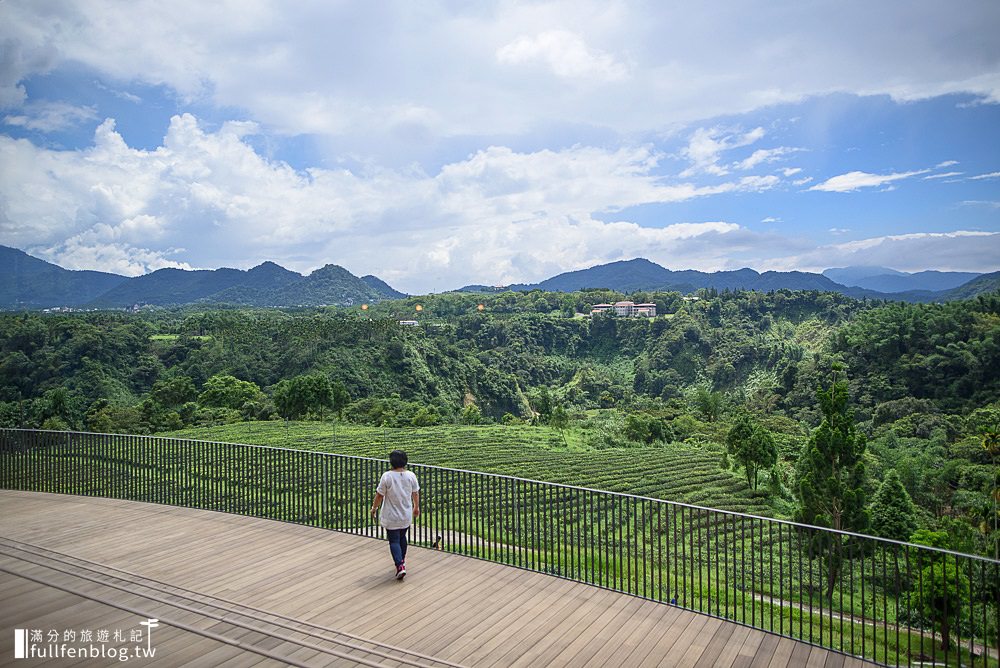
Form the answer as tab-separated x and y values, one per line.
885	601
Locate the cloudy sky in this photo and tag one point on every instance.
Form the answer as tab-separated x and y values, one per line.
441	143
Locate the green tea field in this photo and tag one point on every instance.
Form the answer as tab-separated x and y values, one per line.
675	472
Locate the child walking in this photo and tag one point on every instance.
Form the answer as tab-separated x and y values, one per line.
398	494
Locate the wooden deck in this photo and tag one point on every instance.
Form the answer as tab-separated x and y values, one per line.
239	591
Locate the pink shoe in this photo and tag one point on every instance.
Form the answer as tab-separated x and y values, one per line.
400	571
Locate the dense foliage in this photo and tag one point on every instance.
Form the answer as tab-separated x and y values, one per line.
923	381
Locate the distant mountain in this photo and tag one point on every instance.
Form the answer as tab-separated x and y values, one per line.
169	287
641	274
29	283
882	279
332	285
983	284
623	276
851	275
382	287
265	285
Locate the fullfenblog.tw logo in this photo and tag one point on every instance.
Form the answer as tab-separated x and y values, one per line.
119	644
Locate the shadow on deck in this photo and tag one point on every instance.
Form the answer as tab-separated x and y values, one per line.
240	591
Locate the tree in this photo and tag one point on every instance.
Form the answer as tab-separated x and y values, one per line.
645	428
472	415
299	395
991	444
942	589
542	403
426	417
559	417
892	513
176	391
341	398
831	483
752	446
225	391
708	403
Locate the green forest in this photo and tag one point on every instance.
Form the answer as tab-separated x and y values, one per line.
763	402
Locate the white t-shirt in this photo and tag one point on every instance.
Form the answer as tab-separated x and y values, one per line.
397	504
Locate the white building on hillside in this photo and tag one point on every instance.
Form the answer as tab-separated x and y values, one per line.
645	310
626	309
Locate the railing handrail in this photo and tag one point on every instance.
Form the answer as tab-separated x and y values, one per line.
679	504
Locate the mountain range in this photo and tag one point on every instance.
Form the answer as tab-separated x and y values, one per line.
641	274
883	279
27	282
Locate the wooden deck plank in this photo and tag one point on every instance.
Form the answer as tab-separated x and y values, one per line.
834	660
421	630
733	646
765	652
601	636
748	650
81	613
782	653
817	658
461	609
696	646
714	648
488	623
673	650
391	604
638	641
584	633
531	623
554	628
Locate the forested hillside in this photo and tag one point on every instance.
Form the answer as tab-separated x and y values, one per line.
712	373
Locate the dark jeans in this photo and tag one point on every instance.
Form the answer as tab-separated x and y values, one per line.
397	544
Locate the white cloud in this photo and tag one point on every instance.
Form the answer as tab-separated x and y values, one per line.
25	52
979	177
706	145
943	175
91	251
765	155
499	215
51	116
990	204
851	181
770	219
120	94
962	250
565	54
839	230
344	68
790	171
946	163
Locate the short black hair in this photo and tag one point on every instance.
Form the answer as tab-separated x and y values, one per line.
398	459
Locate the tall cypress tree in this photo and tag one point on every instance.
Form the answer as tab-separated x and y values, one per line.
830	489
892	511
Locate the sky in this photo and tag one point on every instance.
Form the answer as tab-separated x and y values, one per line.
437	144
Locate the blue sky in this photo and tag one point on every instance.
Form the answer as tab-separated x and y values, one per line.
438	144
